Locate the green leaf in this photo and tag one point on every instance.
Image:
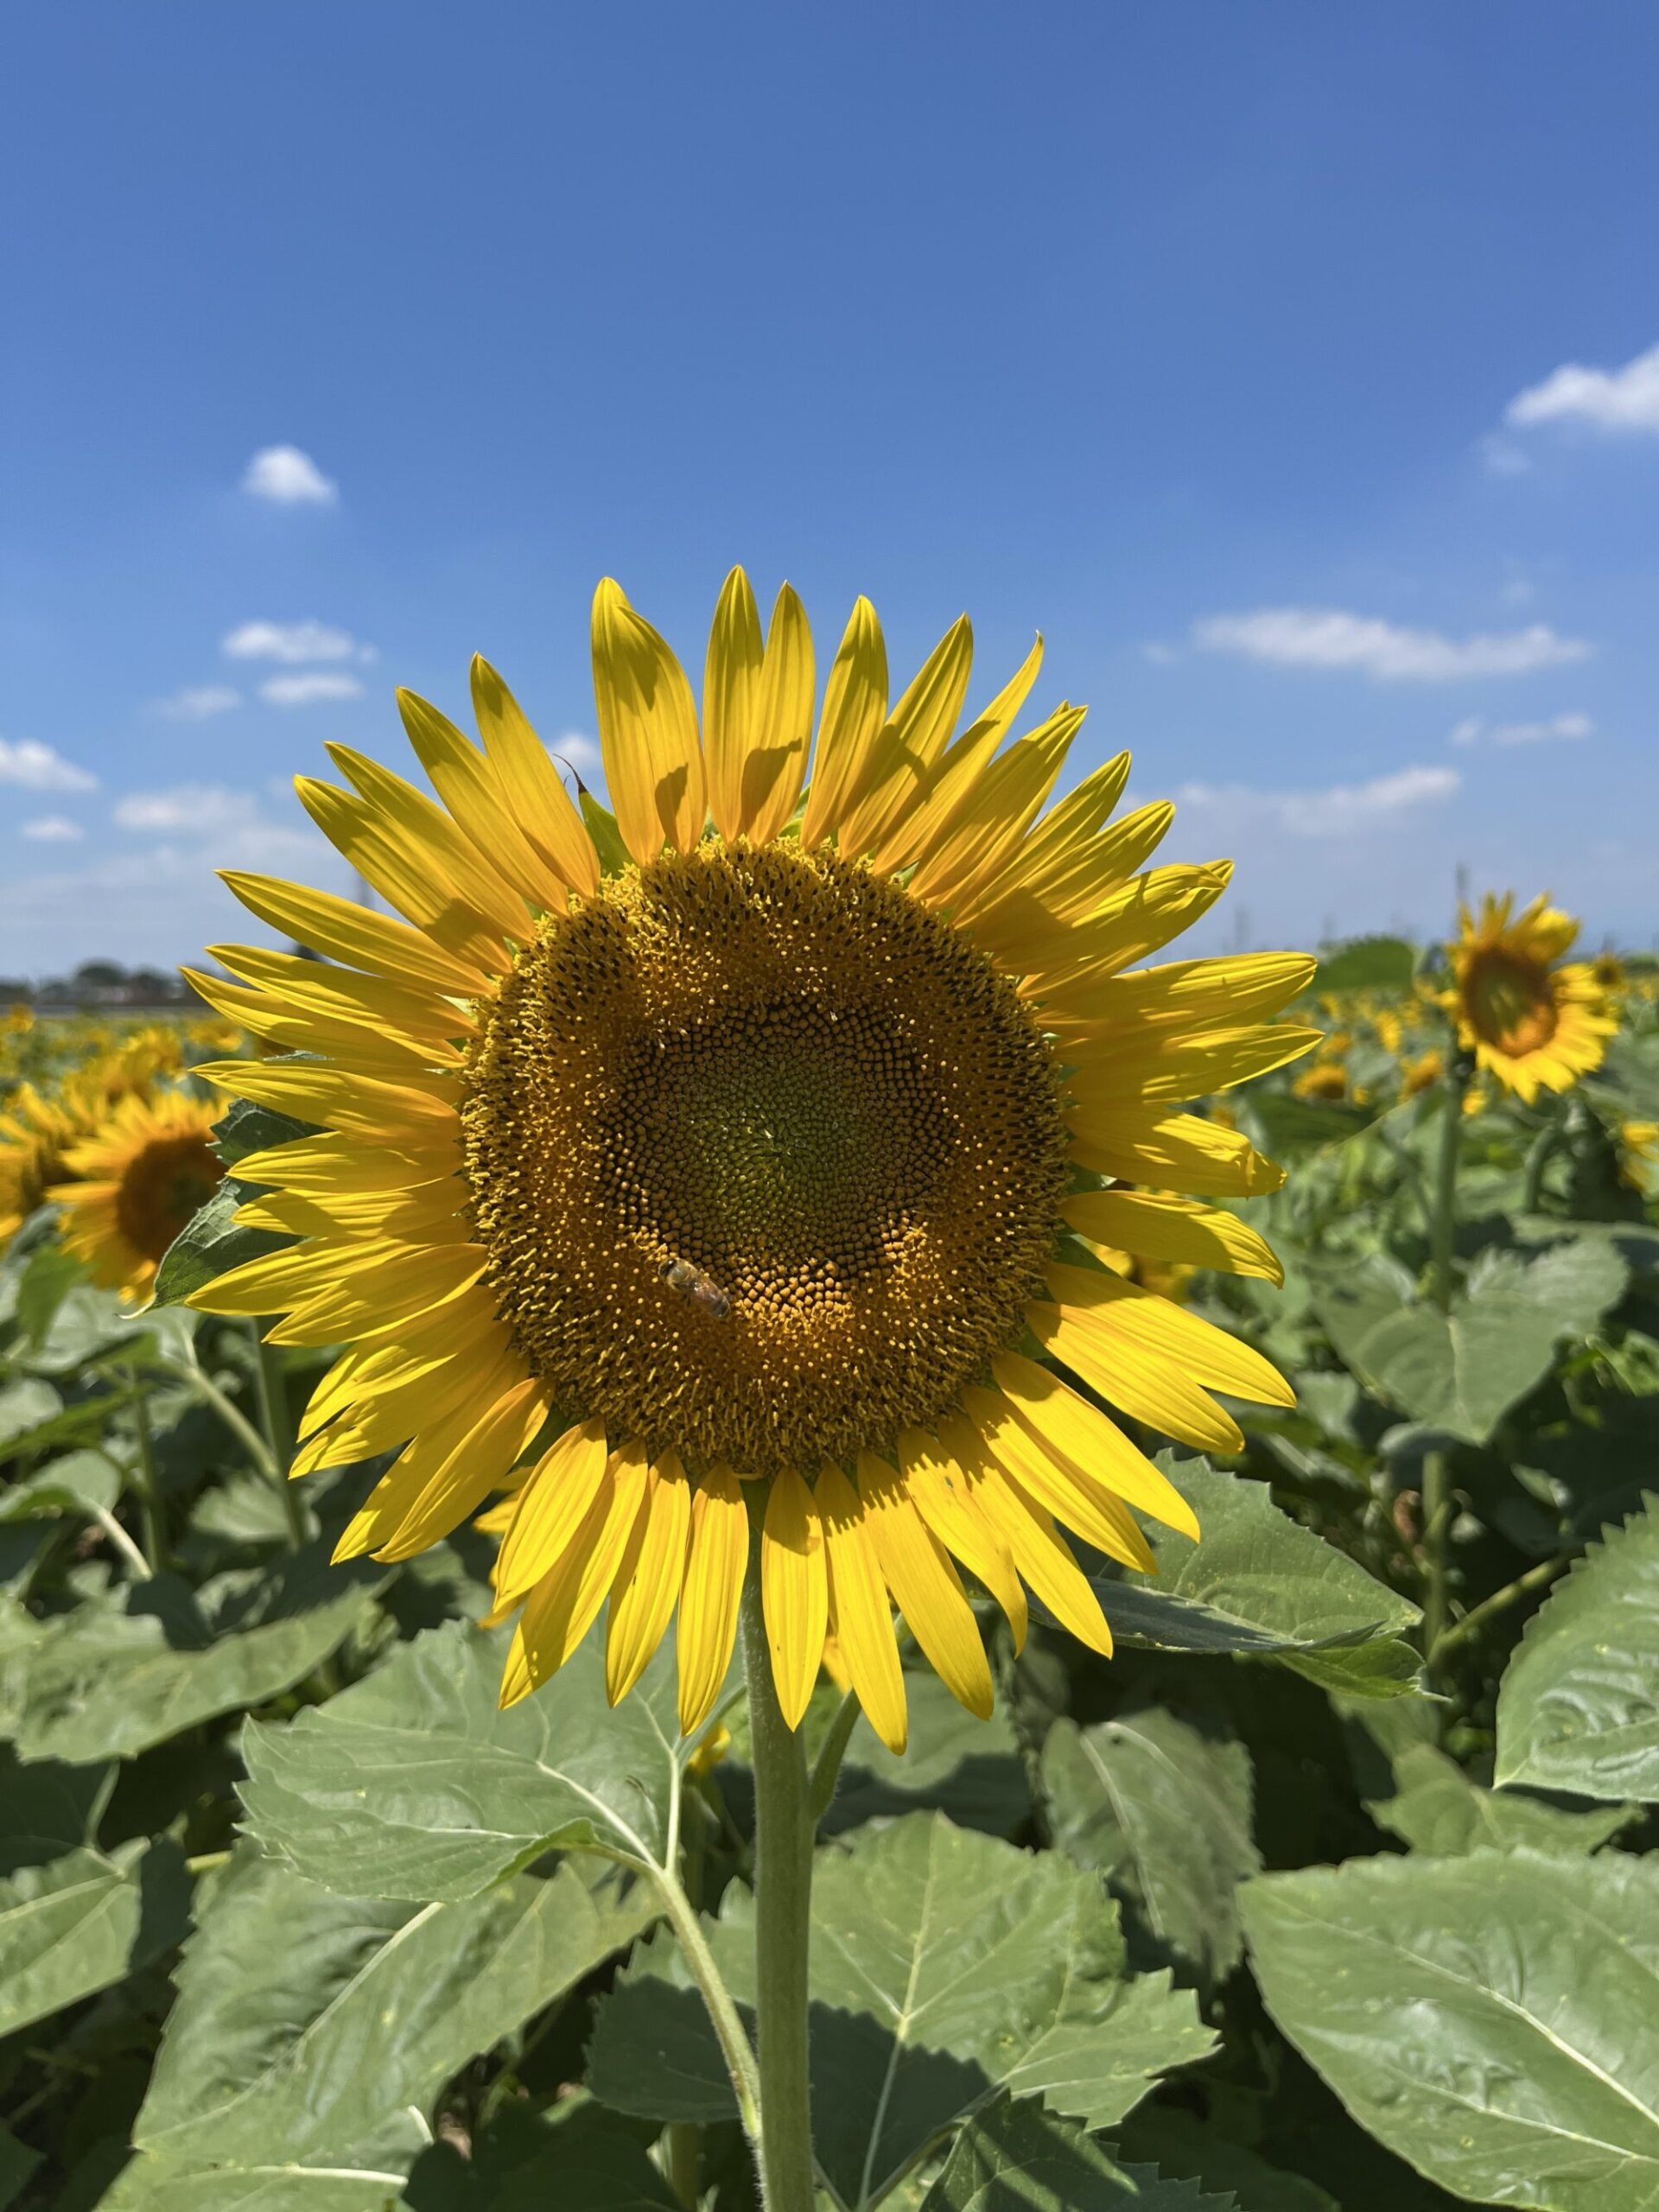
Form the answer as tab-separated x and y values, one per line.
25	1405
946	1965
614	855
412	1784
333	2061
46	1808
1462	1371
577	2157
1578	1707
1437	1810
1182	2148
211	1243
1367	963
968	1769
246	1127
17	2163
153	1658
78	1482
1164	1813
1258	1583
1493	2019
1018	2159
81	1921
1291	1125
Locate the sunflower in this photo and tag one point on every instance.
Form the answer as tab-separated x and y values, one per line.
1530	1023
1325	1080
1418	1073
142	1174
735	1163
35	1134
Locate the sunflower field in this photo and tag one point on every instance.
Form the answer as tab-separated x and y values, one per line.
1282	1845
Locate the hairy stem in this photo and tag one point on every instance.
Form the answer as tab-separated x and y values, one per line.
782	1892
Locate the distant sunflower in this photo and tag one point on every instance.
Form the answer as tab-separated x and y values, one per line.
1531	1023
1326	1080
743	1166
35	1134
1421	1071
142	1174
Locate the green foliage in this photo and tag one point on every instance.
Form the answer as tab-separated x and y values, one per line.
80	1922
1367	963
1579	1707
1017	2159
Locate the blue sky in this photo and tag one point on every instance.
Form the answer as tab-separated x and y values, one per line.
1283	364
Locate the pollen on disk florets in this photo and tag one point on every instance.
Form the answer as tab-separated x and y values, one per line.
766	1157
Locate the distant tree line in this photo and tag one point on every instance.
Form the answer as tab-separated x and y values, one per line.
100	984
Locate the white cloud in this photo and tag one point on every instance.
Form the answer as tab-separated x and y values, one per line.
292	642
202	808
1336	811
307	690
37	767
581	752
1159	654
1476	731
1608	399
289	478
1330	638
54	829
1503	457
197	702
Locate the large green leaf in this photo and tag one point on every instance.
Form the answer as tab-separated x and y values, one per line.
946	1965
1020	2158
1367	963
78	1483
47	1807
113	1677
78	1923
1493	2018
211	1243
1578	1708
1165	1812
1257	1583
1462	1371
17	2163
311	2032
1181	2147
1436	1808
577	2158
413	1783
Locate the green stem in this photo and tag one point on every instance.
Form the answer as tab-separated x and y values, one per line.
1543	1151
783	1899
722	2013
123	1542
272	1392
1475	1619
234	1419
152	1523
1438	1507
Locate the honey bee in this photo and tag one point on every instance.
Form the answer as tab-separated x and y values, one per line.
696	1289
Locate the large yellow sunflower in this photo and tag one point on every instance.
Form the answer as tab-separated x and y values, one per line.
142	1174
745	1164
1531	1023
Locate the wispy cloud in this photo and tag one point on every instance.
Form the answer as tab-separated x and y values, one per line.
1338	810
292	642
1607	399
197	702
37	767
1476	731
54	829
308	691
289	478
202	808
1330	638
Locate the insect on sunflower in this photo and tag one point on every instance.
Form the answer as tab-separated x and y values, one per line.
752	1174
1532	1021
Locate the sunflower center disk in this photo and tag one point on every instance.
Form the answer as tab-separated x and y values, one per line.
1511	1001
161	1188
766	1159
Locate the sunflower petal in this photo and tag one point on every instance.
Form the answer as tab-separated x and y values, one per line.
863	1617
648	1581
715	1557
794	1590
854	714
925	1586
647	731
531	784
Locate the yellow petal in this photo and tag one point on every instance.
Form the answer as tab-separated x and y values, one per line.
917	733
863	1617
1177	1151
1081	1502
406	874
648	1581
1156	1226
776	766
794	1590
1199	991
560	1610
320	988
1207	1354
344	931
1133	921
1148	1386
647	731
925	1586
944	1501
465	1479
467	782
990	823
1032	916
716	1557
1044	1560
531	783
1064	830
943	790
731	690
1167	1066
417	1106
855	712
553	1501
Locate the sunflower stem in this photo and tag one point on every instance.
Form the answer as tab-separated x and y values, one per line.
271	1392
1542	1150
783	1898
1438	1506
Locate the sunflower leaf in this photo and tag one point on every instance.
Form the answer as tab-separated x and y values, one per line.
1462	1371
79	1923
1164	1813
1576	1708
1440	1810
211	1243
1491	2019
137	1666
331	2065
1014	2157
413	1785
946	1965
